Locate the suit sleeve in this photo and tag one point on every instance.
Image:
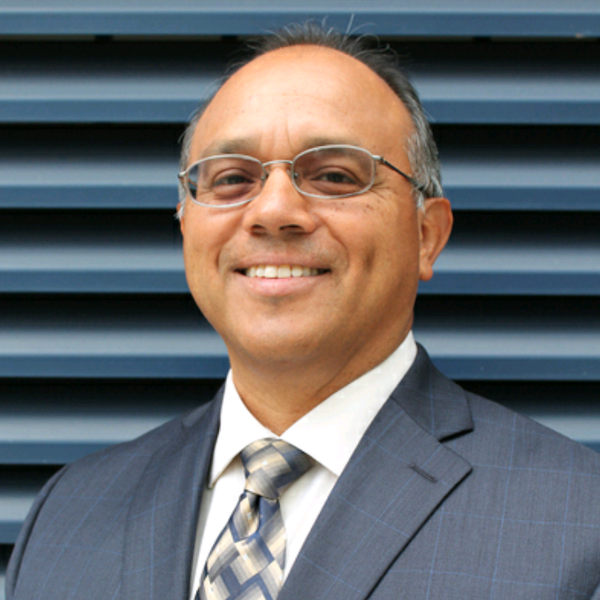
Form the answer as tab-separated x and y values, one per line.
16	559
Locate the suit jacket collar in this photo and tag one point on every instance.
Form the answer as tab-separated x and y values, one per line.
433	401
398	476
161	526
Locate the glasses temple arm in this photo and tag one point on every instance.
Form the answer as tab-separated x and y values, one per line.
418	186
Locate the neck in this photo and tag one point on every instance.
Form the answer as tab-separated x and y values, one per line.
279	393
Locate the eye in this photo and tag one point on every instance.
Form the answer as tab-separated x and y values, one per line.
232	184
232	179
331	180
333	176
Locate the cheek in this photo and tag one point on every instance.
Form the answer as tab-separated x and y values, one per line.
204	237
384	237
201	258
194	255
397	257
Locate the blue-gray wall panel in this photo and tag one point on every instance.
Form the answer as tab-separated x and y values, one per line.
475	196
525	271
495	84
17	492
140	252
50	453
144	109
495	350
572	19
53	423
96	291
484	168
154	336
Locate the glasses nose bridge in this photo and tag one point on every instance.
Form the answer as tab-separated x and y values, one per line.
288	167
276	162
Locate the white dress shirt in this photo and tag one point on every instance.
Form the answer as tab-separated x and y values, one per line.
329	434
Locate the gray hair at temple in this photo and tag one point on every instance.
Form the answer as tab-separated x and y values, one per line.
420	147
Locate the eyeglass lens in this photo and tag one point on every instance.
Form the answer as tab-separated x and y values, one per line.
329	172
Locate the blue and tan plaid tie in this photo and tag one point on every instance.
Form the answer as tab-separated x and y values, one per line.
248	558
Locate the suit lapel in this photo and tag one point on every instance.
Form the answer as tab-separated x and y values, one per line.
161	526
396	478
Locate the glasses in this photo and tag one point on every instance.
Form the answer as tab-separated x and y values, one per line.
330	172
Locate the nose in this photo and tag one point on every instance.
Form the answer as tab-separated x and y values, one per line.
280	208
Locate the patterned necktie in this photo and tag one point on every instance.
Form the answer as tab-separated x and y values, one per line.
248	558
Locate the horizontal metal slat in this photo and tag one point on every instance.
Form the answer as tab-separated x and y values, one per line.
91	252
55	423
73	167
484	168
50	422
577	18
495	193
133	252
107	82
110	251
4	556
137	83
524	253
51	453
519	338
529	176
150	337
581	422
18	490
460	270
108	338
509	353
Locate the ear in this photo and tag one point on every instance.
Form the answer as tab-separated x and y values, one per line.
181	218
435	227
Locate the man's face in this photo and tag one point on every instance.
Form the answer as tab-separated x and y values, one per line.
367	250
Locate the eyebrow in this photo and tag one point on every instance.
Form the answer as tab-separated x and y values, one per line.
249	145
330	141
234	146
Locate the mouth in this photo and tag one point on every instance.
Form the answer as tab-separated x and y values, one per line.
281	271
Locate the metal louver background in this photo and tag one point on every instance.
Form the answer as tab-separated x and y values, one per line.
99	340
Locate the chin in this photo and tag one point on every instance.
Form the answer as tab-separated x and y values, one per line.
280	348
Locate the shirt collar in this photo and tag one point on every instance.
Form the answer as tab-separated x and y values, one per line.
330	432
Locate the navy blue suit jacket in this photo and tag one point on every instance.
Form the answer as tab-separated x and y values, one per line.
448	496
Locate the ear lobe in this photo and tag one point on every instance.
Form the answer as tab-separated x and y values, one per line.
435	226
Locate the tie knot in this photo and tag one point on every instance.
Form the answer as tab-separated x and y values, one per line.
271	465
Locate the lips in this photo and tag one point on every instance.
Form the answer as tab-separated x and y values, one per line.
282	271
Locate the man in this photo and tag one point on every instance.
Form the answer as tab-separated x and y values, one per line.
312	208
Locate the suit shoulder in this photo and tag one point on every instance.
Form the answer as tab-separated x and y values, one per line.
131	455
84	508
520	440
114	471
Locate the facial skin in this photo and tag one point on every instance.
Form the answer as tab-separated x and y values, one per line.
294	341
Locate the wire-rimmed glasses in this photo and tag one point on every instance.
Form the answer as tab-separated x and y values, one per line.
332	172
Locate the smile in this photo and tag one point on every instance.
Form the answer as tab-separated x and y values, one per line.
282	271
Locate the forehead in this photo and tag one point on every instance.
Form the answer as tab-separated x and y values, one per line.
290	98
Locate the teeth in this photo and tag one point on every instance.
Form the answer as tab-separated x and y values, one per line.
274	272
